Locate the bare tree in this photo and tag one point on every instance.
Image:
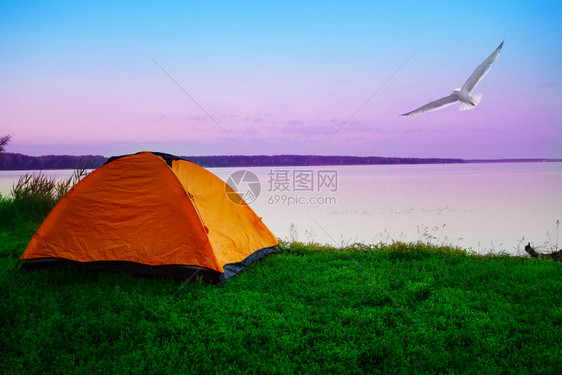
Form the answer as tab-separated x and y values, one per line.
4	142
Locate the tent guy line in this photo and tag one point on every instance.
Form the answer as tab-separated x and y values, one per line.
198	105
362	105
184	283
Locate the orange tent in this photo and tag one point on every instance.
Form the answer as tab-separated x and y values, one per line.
151	213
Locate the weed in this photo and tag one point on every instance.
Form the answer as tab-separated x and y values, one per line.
34	196
293	234
557	231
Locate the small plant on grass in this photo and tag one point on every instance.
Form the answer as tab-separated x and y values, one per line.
293	234
557	230
432	236
549	244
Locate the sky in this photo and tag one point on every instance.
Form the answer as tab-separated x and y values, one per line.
254	78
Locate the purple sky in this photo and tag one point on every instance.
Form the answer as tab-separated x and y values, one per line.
279	78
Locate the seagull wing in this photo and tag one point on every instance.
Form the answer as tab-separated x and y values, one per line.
481	71
434	105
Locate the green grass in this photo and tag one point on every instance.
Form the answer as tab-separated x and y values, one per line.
401	308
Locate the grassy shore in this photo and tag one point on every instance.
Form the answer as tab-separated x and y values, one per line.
388	308
397	308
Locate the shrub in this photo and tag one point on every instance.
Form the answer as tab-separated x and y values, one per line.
35	195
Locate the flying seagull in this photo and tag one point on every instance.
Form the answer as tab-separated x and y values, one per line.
464	94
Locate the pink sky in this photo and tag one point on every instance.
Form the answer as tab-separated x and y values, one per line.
82	81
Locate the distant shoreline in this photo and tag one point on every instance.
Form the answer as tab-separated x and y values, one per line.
13	161
512	161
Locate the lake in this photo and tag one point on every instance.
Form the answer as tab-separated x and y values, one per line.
492	207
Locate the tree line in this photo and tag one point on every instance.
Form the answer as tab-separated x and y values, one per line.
13	161
306	160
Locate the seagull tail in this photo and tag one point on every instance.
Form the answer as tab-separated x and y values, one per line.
475	99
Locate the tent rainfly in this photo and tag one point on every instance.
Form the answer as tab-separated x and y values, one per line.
153	214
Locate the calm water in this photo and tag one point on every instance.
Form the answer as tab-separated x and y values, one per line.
486	207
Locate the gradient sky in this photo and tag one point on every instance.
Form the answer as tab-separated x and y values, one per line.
279	77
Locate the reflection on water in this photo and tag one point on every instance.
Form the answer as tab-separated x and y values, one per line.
486	207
